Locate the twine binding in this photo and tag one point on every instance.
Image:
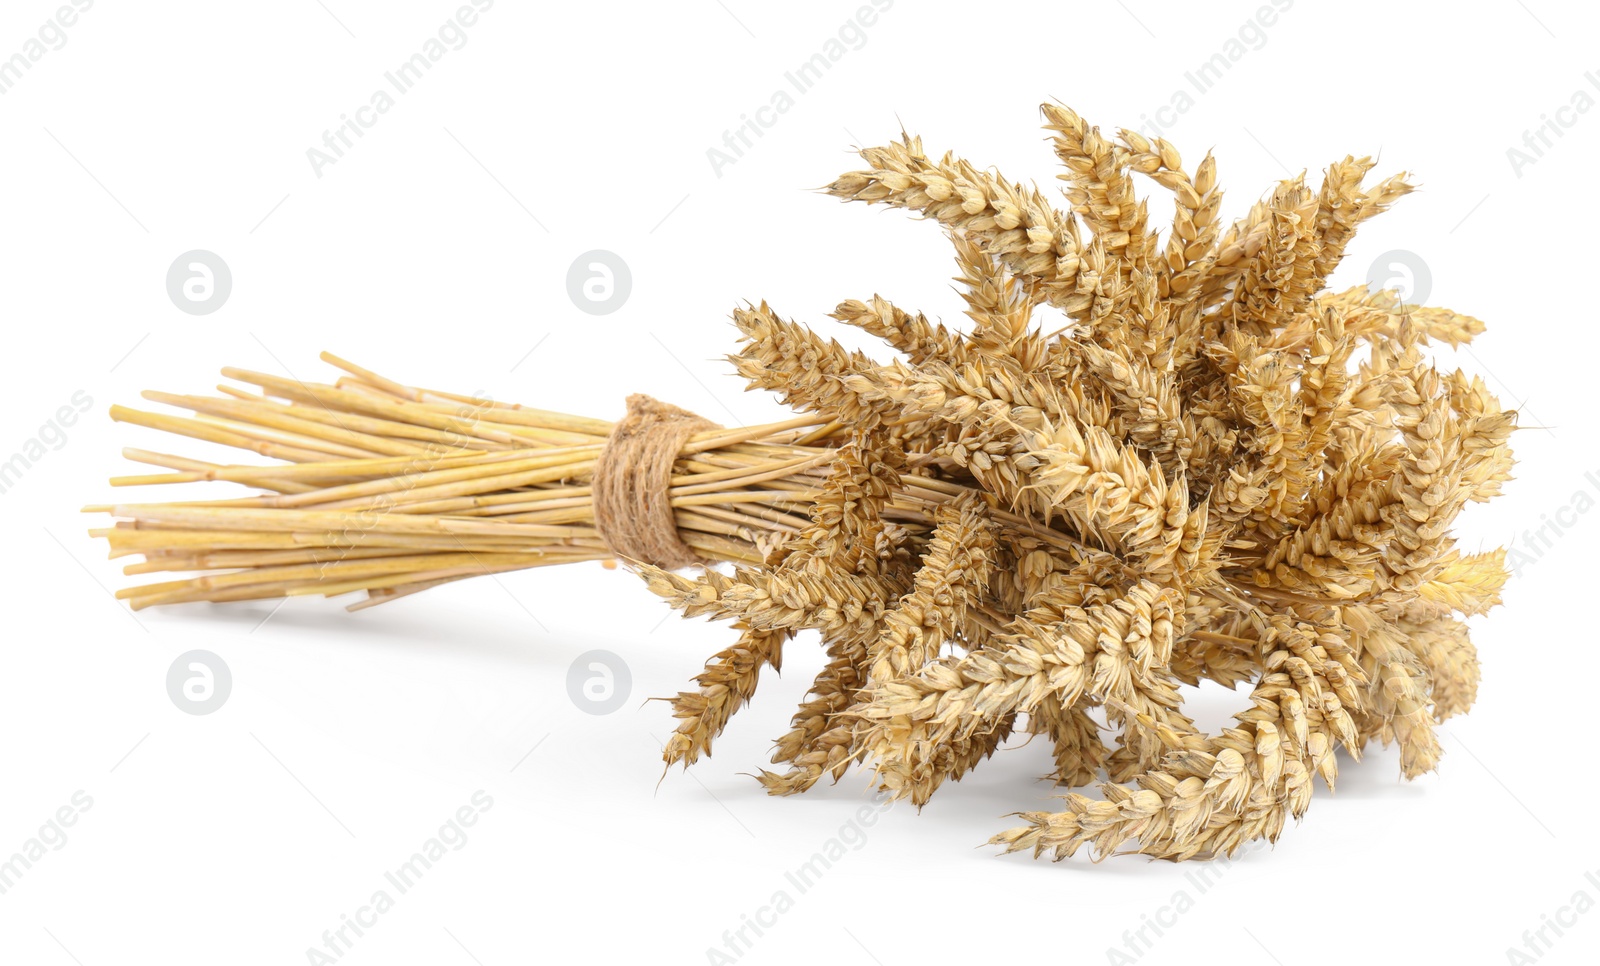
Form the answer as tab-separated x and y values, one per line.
632	508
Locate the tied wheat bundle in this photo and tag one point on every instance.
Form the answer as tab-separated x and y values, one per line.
1218	471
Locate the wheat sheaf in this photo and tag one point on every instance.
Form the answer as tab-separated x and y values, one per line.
1216	470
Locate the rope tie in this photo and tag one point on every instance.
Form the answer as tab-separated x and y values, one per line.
632	509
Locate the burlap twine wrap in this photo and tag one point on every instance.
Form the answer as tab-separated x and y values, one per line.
632	509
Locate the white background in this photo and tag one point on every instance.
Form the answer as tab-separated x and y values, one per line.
436	252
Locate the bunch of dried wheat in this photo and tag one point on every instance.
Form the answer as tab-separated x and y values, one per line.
1217	471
